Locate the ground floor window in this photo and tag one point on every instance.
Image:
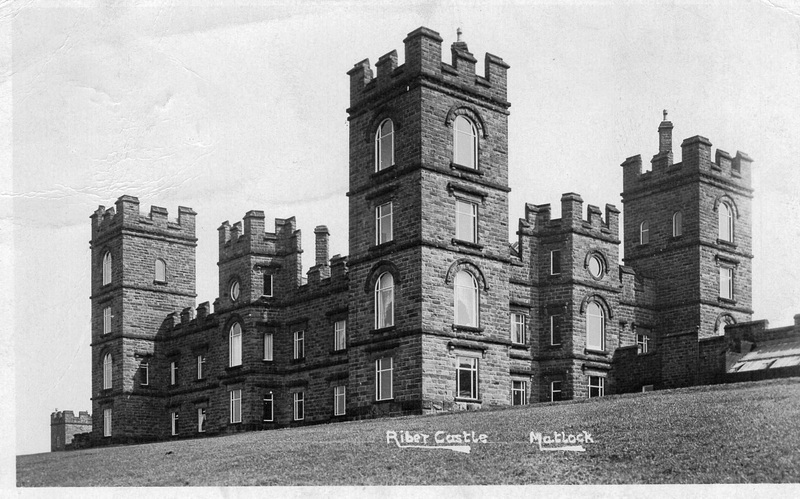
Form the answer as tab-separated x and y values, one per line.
174	422
201	419
642	343
597	386
338	400
106	422
269	407
555	391
299	406
519	391
236	406
383	378
467	378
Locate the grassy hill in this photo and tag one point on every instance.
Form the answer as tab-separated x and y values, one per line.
739	433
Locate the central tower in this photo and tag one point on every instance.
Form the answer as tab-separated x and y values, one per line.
428	235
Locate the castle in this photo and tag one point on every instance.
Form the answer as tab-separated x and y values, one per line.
433	310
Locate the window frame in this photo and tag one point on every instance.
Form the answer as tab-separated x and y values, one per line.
515	391
268	344
473	293
471	371
726	282
268	401
235	406
466	212
235	345
107	420
201	420
160	267
471	136
339	400
726	224
299	406
299	351
380	372
555	323
235	290
107	268
644	233
108	371
602	324
642	343
340	335
384	217
383	290
174	418
554	390
106	320
268	279
379	145
144	367
519	337
173	373
555	262
677	224
600	386
201	361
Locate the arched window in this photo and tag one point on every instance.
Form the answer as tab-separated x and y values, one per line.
725	222
644	232
384	301
384	145
466	299
465	143
107	268
107	376
677	224
723	321
161	270
235	345
595	327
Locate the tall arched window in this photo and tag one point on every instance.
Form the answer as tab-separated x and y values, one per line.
677	224
235	345
465	290
107	268
595	327
725	222
465	143
107	365
384	301
161	270
644	232
384	145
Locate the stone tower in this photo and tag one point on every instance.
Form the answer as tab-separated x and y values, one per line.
428	236
143	270
688	225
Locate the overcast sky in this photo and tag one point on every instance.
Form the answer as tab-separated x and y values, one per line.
227	109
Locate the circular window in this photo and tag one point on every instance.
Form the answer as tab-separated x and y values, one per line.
235	290
596	266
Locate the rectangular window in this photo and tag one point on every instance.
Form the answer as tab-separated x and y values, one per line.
236	406
555	329
174	418
383	378
597	386
340	335
173	373
467	378
726	283
383	223
519	392
555	391
299	347
267	284
201	362
201	419
555	262
339	400
106	422
299	406
518	323
642	341
144	373
267	346
106	320
269	407
466	221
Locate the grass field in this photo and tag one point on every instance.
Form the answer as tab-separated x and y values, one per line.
739	433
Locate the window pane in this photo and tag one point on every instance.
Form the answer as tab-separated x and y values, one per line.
267	284
384	145
466	299
161	271
235	351
268	346
466	221
677	224
464	138
725	223
594	327
384	301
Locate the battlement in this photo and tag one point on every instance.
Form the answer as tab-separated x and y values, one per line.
538	217
696	157
423	57
250	237
68	417
126	214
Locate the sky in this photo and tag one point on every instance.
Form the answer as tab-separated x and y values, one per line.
226	108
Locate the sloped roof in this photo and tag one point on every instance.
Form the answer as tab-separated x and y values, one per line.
772	354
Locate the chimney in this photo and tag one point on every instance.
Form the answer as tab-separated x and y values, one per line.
321	249
665	135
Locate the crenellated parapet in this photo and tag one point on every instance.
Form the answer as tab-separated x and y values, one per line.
126	215
68	417
423	58
537	219
250	237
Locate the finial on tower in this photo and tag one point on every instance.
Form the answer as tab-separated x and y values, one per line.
665	115
458	34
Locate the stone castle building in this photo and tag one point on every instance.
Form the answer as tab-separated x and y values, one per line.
433	310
